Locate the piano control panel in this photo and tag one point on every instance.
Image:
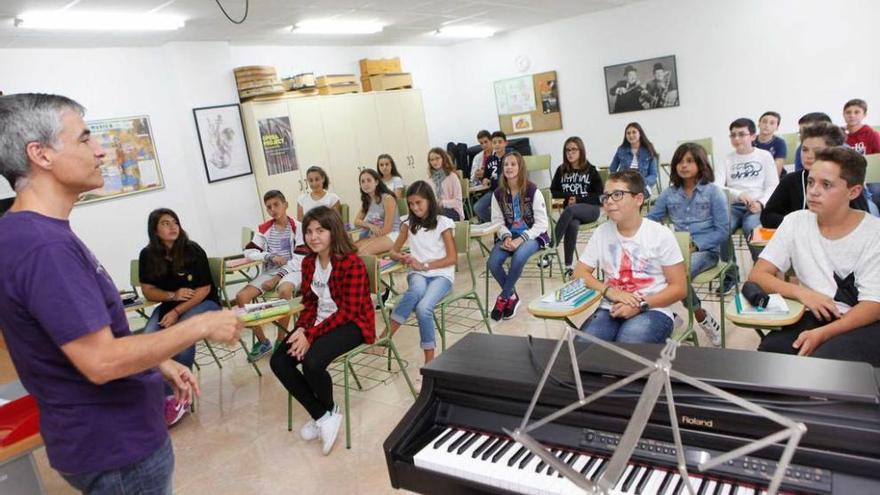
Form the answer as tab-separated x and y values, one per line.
807	478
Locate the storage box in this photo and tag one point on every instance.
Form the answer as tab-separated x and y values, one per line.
340	89
333	79
371	67
384	82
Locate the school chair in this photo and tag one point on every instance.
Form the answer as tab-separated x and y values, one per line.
402	206
344	212
134	276
706	143
872	172
604	172
792	141
218	275
538	163
467	206
710	276
247	234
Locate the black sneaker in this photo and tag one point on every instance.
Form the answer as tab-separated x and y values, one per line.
511	307
544	262
498	310
569	272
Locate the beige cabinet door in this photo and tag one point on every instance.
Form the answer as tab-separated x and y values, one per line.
340	135
416	130
392	134
308	134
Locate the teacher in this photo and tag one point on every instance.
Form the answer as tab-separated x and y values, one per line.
98	387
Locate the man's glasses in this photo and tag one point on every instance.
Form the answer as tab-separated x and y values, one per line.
615	195
739	134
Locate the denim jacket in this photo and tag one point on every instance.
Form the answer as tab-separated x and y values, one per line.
704	215
647	164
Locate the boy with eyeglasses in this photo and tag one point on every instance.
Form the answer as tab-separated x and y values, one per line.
643	267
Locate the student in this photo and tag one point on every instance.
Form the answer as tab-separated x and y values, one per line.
318	194
490	175
278	243
337	317
431	262
768	140
174	271
694	204
636	152
390	176
579	185
750	175
518	206
643	267
446	182
862	137
479	161
791	194
833	250
378	215
805	121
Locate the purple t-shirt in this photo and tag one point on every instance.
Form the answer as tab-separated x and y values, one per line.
53	291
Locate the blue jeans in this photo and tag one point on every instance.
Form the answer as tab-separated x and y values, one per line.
650	327
740	216
187	356
700	262
150	476
483	207
422	295
507	281
874	188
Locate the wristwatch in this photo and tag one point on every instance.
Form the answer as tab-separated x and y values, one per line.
643	306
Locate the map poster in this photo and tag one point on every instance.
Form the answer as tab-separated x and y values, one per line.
277	139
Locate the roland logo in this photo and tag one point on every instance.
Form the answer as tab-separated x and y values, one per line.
705	423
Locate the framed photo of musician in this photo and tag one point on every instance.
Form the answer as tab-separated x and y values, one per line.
642	85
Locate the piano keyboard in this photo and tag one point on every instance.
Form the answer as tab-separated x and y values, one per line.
501	462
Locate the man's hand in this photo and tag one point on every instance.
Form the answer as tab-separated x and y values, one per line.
169	319
182	381
624	311
746	200
222	326
810	340
486	182
619	296
183	294
755	207
822	306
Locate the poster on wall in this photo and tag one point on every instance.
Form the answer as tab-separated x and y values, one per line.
522	122
642	85
515	95
221	139
277	139
130	163
549	96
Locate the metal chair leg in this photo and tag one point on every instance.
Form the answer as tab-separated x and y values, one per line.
409	383
289	412
244	347
213	355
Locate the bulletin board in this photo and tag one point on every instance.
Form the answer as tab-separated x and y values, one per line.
528	104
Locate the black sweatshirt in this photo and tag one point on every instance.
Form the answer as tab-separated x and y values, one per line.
585	185
789	197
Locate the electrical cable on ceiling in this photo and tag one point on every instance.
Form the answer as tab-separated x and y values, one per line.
243	18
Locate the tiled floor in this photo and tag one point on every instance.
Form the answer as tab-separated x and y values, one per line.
238	442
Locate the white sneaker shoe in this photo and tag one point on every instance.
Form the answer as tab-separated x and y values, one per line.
712	329
328	428
309	431
677	321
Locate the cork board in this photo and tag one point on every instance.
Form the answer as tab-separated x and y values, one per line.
528	104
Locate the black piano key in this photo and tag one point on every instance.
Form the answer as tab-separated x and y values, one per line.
559	455
644	481
679	486
526	460
665	484
502	450
519	453
467	443
458	441
601	469
573	458
483	446
719	488
492	448
631	478
589	465
703	487
440	441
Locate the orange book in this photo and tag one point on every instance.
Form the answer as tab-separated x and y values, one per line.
762	235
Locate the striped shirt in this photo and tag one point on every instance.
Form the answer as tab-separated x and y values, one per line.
278	245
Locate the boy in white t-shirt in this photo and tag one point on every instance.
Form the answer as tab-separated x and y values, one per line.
834	251
643	266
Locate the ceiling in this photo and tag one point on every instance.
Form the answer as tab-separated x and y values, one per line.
268	21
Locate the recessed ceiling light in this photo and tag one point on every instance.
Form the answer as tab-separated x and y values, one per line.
98	21
461	31
336	26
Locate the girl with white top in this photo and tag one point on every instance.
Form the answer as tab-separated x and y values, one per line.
390	176
447	184
378	215
431	261
318	194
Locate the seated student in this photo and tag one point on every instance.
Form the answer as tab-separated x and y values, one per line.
578	183
491	174
791	194
643	267
318	194
277	242
479	161
431	262
519	207
768	140
862	137
174	270
337	317
636	152
694	204
390	176
833	250
378	215
805	121
446	182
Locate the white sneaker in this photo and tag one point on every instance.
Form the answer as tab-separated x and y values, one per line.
309	431
328	428
712	329
677	321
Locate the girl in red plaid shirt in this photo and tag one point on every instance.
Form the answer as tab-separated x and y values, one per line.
338	317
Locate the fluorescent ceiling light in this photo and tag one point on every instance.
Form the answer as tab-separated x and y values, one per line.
98	21
462	31
334	26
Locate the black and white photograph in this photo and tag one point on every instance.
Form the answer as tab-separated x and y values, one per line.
642	85
222	141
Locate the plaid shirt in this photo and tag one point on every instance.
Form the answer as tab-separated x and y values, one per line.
350	289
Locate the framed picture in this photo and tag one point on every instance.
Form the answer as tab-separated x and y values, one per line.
642	85
130	164
222	141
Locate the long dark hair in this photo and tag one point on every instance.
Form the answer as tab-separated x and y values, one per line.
447	168
381	189
423	189
704	171
394	172
643	139
340	241
157	253
582	164
320	171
